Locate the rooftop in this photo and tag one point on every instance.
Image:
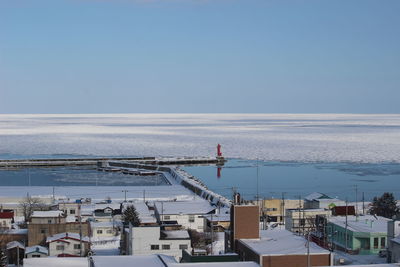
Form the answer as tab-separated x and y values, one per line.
316	195
282	242
177	234
365	223
49	213
145	215
184	207
66	236
37	249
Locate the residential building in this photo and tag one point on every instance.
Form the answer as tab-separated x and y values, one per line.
68	245
128	261
220	222
318	200
36	252
153	240
7	236
15	252
101	230
270	248
393	236
275	209
358	234
188	214
277	248
6	219
47	223
302	221
146	216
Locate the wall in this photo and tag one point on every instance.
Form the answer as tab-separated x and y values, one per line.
144	237
68	248
183	219
295	260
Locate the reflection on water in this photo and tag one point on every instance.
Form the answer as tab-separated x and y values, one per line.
299	179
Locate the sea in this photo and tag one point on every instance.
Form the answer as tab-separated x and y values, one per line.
349	156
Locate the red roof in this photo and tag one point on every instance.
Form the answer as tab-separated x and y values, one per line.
6	215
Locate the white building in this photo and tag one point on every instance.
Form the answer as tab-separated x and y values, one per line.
36	252
188	214
152	240
48	217
67	244
393	234
101	230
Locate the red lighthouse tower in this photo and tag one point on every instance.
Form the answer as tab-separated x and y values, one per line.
219	153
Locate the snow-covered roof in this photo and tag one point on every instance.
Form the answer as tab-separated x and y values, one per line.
15	232
281	242
148	261
145	215
36	249
216	264
105	224
49	213
14	244
176	234
315	195
184	207
66	236
102	206
218	217
396	240
59	262
365	223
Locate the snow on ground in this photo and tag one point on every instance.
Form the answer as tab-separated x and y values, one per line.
280	137
218	246
359	259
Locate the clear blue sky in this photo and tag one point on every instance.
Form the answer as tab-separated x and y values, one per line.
128	56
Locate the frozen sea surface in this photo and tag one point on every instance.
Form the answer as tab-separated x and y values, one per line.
271	137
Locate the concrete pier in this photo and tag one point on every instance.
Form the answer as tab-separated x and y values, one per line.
27	163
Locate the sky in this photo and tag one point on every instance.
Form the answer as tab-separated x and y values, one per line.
199	56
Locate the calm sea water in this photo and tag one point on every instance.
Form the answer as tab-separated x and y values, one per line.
294	179
299	179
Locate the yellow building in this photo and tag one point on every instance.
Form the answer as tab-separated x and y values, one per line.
275	209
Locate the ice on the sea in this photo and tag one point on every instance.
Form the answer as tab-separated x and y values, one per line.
275	137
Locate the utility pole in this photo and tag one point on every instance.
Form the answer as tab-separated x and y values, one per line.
308	250
257	183
212	235
283	208
125	193
345	249
356	202
144	196
363	203
80	229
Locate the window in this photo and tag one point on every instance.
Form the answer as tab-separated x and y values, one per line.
77	246
48	221
71	211
200	227
167	217
99	231
35	256
183	246
376	241
42	231
191	218
60	247
166	247
154	247
109	231
383	242
302	222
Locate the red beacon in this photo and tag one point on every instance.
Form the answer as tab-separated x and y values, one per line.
219	153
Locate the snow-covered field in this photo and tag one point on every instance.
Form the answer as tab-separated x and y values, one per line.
278	137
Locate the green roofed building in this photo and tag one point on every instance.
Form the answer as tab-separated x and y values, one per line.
365	235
